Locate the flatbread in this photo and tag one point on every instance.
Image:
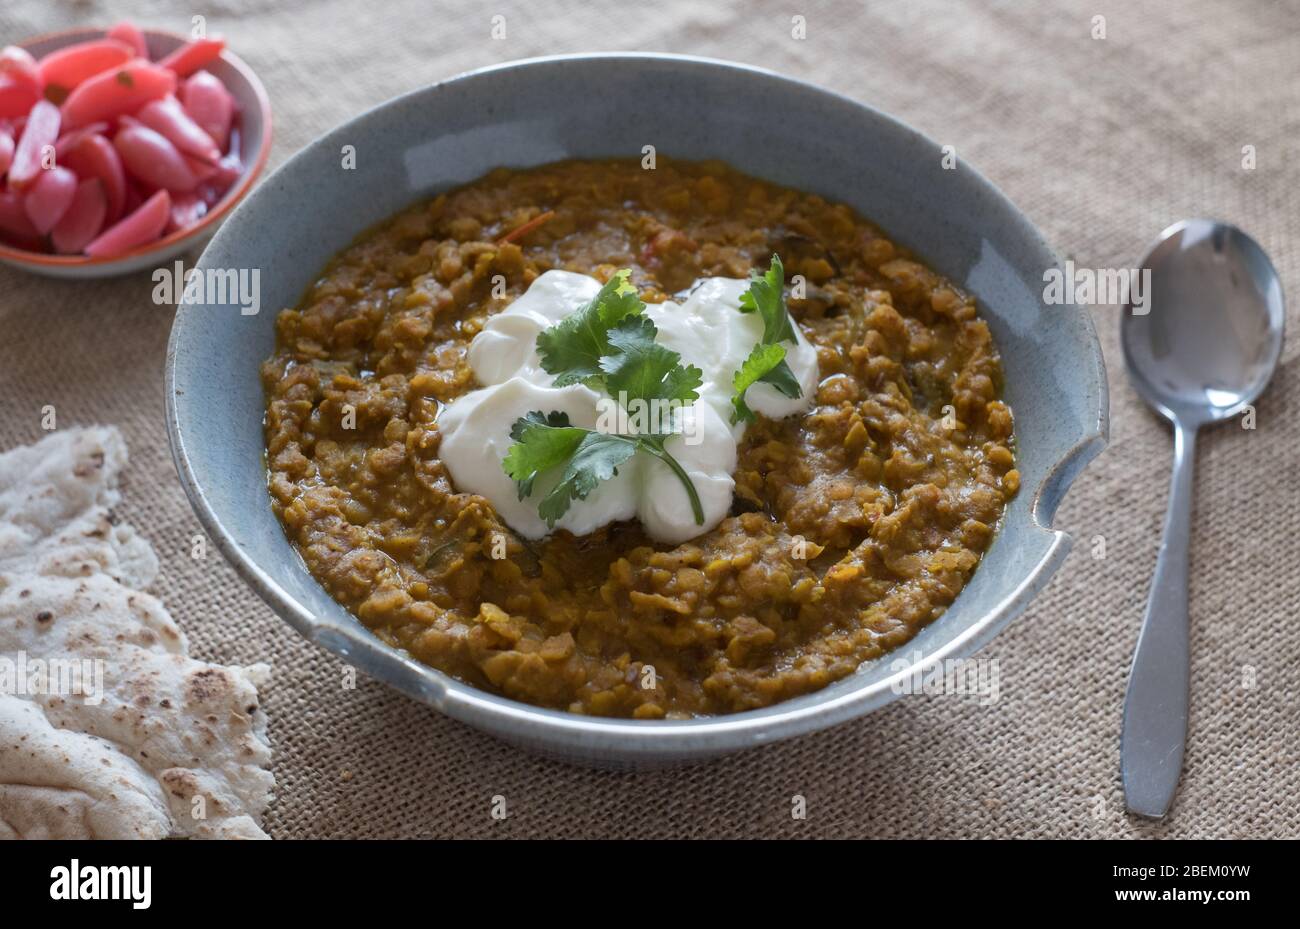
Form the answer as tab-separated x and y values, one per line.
56	509
152	743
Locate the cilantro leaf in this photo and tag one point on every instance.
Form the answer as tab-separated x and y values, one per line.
766	297
542	442
596	459
766	362
573	347
643	371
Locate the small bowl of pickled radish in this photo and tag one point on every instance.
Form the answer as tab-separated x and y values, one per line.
122	148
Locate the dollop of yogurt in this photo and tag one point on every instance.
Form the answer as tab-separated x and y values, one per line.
707	329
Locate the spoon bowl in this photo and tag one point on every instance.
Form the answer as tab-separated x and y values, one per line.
1216	338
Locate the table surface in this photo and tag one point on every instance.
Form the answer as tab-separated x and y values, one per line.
1102	141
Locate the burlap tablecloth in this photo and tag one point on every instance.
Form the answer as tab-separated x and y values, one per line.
1103	142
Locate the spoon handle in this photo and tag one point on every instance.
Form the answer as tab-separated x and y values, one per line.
1155	708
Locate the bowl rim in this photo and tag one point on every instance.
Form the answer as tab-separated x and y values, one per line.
590	738
228	202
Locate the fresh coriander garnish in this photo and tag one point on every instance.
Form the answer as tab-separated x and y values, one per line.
608	345
767	361
643	371
545	441
573	347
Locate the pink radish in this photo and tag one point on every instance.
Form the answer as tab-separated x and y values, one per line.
134	198
6	152
16	97
147	155
187	209
69	66
117	91
15	227
202	170
42	129
168	118
229	170
190	57
139	228
130	34
49	197
210	105
18	65
70	140
83	220
95	156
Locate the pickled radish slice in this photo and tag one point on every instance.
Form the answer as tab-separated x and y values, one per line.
210	105
16	97
49	197
187	209
42	129
148	156
95	156
70	140
130	34
83	220
117	91
6	152
190	57
19	66
203	171
229	170
168	118
67	67
15	227
133	198
139	228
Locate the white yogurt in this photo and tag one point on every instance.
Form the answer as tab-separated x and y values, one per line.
707	330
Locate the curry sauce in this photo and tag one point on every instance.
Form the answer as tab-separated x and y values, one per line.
853	525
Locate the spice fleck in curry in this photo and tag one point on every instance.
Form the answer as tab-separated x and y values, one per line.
853	525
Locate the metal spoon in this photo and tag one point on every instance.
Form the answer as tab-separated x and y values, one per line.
1204	350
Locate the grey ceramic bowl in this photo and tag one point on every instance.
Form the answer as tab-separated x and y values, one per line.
531	112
